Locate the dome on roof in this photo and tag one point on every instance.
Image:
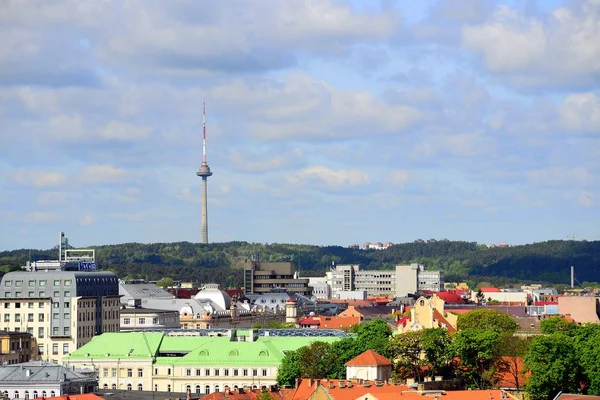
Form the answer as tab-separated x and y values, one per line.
219	298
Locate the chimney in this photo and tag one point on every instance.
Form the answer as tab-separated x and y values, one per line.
310	382
27	372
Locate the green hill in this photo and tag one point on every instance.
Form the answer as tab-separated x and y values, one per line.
545	262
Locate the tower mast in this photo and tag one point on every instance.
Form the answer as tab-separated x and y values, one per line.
204	172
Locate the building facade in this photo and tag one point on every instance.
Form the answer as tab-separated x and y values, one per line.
345	280
62	310
264	277
203	362
17	347
139	319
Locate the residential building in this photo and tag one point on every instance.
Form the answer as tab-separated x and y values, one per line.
201	361
264	277
136	318
428	313
582	309
43	379
17	347
62	310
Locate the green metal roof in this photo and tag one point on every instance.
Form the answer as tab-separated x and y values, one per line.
201	350
112	345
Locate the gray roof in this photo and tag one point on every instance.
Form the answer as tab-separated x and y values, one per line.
143	310
142	291
40	371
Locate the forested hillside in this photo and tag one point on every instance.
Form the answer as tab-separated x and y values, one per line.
219	262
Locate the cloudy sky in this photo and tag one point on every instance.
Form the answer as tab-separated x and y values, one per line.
328	122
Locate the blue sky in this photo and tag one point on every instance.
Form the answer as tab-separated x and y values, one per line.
328	122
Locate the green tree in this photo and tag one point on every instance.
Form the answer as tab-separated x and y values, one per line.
345	350
405	350
480	359
165	282
554	366
264	396
374	335
289	369
435	344
513	348
487	319
316	360
558	324
588	350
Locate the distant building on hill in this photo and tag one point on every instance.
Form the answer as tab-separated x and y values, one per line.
264	277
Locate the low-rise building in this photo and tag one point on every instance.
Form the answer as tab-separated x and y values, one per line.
43	379
136	318
17	347
201	361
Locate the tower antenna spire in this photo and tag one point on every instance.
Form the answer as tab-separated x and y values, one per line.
203	133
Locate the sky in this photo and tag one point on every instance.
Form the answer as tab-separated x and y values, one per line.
328	122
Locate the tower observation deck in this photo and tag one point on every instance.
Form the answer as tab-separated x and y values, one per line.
204	172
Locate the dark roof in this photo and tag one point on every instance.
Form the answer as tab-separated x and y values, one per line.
142	395
142	310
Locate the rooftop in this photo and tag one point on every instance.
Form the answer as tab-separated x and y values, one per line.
369	358
39	371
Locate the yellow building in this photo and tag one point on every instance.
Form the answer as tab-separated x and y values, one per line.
17	347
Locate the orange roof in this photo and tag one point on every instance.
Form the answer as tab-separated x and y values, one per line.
385	391
369	358
247	395
442	320
507	379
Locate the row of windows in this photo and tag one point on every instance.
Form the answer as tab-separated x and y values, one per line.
41	282
217	372
55	348
141	321
34	394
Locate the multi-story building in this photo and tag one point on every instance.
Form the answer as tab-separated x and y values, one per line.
62	309
404	280
264	277
136	318
202	362
17	347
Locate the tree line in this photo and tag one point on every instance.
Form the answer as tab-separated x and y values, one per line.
545	262
480	355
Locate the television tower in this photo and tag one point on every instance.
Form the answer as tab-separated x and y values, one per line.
204	173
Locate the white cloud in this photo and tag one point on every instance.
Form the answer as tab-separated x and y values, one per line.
40	179
103	174
581	112
561	50
51	198
251	161
321	176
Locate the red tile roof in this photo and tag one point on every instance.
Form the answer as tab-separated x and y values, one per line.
370	358
489	290
450	297
442	320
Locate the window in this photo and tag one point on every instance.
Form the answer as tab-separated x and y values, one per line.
30	305
57	282
40	349
245	372
67	305
140	373
31	283
226	372
169	372
188	372
207	372
55	315
155	321
126	321
56	305
264	372
67	331
17	305
129	372
55	349
217	372
8	283
141	321
207	389
236	372
31	294
129	386
105	372
42	294
254	372
55	331
40	317
67	282
18	295
114	386
17	317
66	315
168	388
140	387
30	317
40	332
7	294
68	293
43	282
65	348
56	293
198	372
16	396
40	305
6	317
113	372
18	283
7	305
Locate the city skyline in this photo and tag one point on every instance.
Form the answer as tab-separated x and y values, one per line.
331	123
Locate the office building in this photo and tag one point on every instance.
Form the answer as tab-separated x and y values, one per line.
265	277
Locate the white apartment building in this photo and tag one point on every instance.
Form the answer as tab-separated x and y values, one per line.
404	280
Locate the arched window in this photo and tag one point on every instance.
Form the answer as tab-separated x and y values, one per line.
263	353
235	387
52	394
35	394
27	395
198	389
114	386
204	352
129	386
44	394
188	387
16	394
106	386
140	387
207	389
234	353
216	388
6	394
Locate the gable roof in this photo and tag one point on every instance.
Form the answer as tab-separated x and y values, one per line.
40	371
442	320
120	344
369	358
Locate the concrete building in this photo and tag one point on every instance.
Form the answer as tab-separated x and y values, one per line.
203	362
136	318
17	347
582	309
349	281
264	277
320	289
62	310
42	379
